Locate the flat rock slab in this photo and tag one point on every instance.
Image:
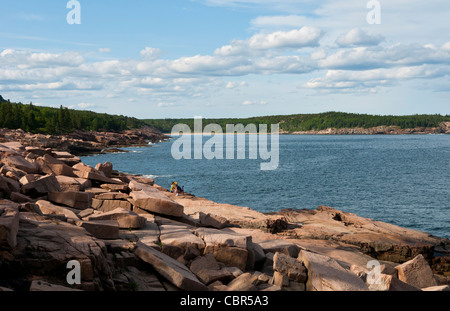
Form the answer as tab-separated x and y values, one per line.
112	196
235	215
175	272
76	199
110	205
223	238
148	235
380	240
48	208
152	200
49	165
101	229
39	184
114	187
68	183
21	163
325	274
176	240
126	219
45	247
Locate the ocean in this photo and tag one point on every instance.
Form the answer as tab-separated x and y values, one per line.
398	179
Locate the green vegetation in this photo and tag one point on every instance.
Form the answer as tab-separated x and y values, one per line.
36	119
62	120
320	121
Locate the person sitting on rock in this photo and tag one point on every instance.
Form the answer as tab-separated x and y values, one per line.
173	186
176	188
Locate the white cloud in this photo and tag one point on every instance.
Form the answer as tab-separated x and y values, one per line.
166	105
233	85
253	103
305	37
104	50
358	37
151	53
85	105
446	46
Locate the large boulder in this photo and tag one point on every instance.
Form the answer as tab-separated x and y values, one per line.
44	248
416	272
76	199
213	221
149	199
101	229
281	246
177	239
9	224
21	163
126	219
39	185
290	274
175	272
8	185
67	183
85	171
386	282
208	269
229	248
325	274
49	165
48	208
245	282
106	168
110	205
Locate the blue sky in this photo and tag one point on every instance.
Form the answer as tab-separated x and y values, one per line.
228	58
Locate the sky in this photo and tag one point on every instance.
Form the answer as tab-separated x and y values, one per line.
227	58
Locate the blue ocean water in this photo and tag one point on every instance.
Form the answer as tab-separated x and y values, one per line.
403	180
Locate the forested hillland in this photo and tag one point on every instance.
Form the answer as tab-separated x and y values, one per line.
62	120
317	122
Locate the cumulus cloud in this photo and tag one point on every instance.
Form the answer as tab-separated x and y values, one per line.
345	80
362	58
358	37
305	37
359	60
85	105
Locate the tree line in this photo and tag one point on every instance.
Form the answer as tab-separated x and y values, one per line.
319	121
36	119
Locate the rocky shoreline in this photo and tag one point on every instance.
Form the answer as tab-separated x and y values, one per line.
443	128
84	143
130	234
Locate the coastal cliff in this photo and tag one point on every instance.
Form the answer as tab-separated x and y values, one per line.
128	233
